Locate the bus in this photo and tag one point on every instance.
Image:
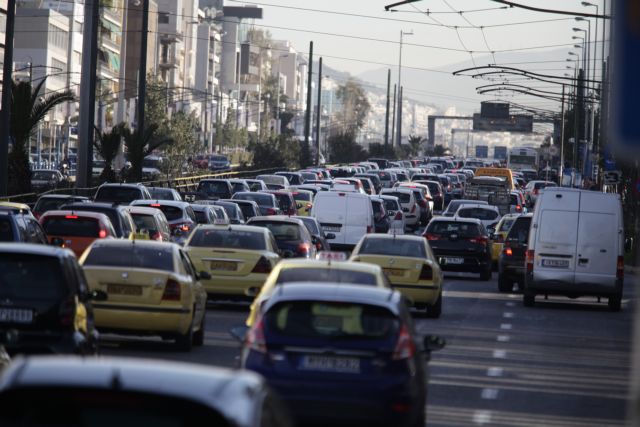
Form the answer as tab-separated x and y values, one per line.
522	158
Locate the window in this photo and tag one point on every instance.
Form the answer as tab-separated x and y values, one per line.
151	257
59	69
77	227
163	17
325	275
399	247
58	37
228	239
30	277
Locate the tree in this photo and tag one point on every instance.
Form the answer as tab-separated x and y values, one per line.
141	144
28	109
436	151
182	142
385	151
415	145
355	106
107	145
343	148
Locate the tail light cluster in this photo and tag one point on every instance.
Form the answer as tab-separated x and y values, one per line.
479	240
271	211
102	233
398	216
156	236
405	347
262	266
431	236
369	229
255	337
529	260
507	250
67	312
304	249
172	291
426	273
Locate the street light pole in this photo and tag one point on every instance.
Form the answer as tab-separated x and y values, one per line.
399	99
5	113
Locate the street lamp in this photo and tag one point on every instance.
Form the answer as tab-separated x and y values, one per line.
399	98
587	43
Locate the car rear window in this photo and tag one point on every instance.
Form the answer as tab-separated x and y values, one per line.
6	230
260	199
71	225
391	205
446	229
247	210
214	188
201	217
506	224
233	211
311	225
236	239
478	213
326	275
403	197
282	231
46	204
399	247
144	222
329	320
171	212
30	277
118	194
161	194
520	230
284	200
302	196
132	256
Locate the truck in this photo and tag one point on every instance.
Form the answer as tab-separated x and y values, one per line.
495	190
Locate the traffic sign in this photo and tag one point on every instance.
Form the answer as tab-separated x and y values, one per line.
625	126
611	177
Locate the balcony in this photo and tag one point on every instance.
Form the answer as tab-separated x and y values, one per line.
168	63
171	37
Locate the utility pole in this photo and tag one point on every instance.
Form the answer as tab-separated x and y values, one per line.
5	113
88	92
386	116
399	107
307	121
399	128
393	115
142	72
561	174
318	114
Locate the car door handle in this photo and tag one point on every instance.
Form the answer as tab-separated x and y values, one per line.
583	260
603	251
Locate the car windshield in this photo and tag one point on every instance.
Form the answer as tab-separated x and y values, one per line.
282	231
478	213
397	247
224	238
71	225
448	229
329	320
117	194
30	277
128	255
330	275
43	176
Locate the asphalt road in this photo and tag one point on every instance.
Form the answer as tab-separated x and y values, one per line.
563	363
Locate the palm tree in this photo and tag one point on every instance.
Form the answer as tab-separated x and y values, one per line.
415	144
139	145
107	145
28	109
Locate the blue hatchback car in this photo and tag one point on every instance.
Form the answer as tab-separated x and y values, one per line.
341	353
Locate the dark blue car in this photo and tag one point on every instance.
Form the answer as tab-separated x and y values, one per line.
341	353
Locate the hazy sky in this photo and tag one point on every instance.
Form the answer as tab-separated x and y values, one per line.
375	42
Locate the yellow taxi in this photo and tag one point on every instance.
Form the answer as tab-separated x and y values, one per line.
304	201
238	257
332	267
16	208
152	289
409	265
502	229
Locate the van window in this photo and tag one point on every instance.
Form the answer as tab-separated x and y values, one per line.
558	227
77	226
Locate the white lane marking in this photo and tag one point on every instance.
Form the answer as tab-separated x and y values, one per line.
503	338
482	417
499	354
506	326
489	393
513	296
495	371
510	304
508	315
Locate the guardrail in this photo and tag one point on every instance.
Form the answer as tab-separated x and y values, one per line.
182	184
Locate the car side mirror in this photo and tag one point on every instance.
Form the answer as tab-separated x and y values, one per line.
57	241
204	275
287	254
314	239
239	332
330	236
491	230
433	343
98	295
252	291
299	205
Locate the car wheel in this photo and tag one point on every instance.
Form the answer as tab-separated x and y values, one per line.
198	336
528	298
185	342
486	275
504	284
615	302
435	310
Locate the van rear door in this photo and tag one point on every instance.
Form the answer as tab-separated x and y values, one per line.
556	229
330	208
359	218
598	237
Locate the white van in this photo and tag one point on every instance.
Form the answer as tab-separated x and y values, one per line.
576	246
347	215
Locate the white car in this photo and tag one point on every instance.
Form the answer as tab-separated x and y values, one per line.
394	209
409	204
487	214
348	215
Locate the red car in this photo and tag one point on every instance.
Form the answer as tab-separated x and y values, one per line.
285	200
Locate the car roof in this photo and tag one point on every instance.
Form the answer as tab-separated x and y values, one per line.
233	227
455	219
136	185
61	196
478	206
86	206
174	203
342	292
86	214
227	391
133	243
142	210
279	218
34	249
394	237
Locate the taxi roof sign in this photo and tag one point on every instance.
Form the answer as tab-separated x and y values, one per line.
331	256
220	221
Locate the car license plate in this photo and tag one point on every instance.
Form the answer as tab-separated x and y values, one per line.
349	365
223	265
555	263
330	229
16	315
449	260
124	289
393	271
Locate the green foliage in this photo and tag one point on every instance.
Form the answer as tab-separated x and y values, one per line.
141	144
343	148
381	150
182	142
107	145
415	145
355	106
28	109
436	151
281	152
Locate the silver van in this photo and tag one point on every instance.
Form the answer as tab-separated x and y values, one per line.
575	246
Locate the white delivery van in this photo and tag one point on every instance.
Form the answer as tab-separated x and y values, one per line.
575	246
347	215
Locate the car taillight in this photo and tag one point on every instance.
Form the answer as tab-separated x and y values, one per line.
309	206
102	234
479	240
185	227
172	291
620	268
304	249
271	211
426	273
156	236
71	216
369	229
422	203
535	191
518	208
67	312
262	266
398	216
405	347
255	337
529	260
508	251
430	236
